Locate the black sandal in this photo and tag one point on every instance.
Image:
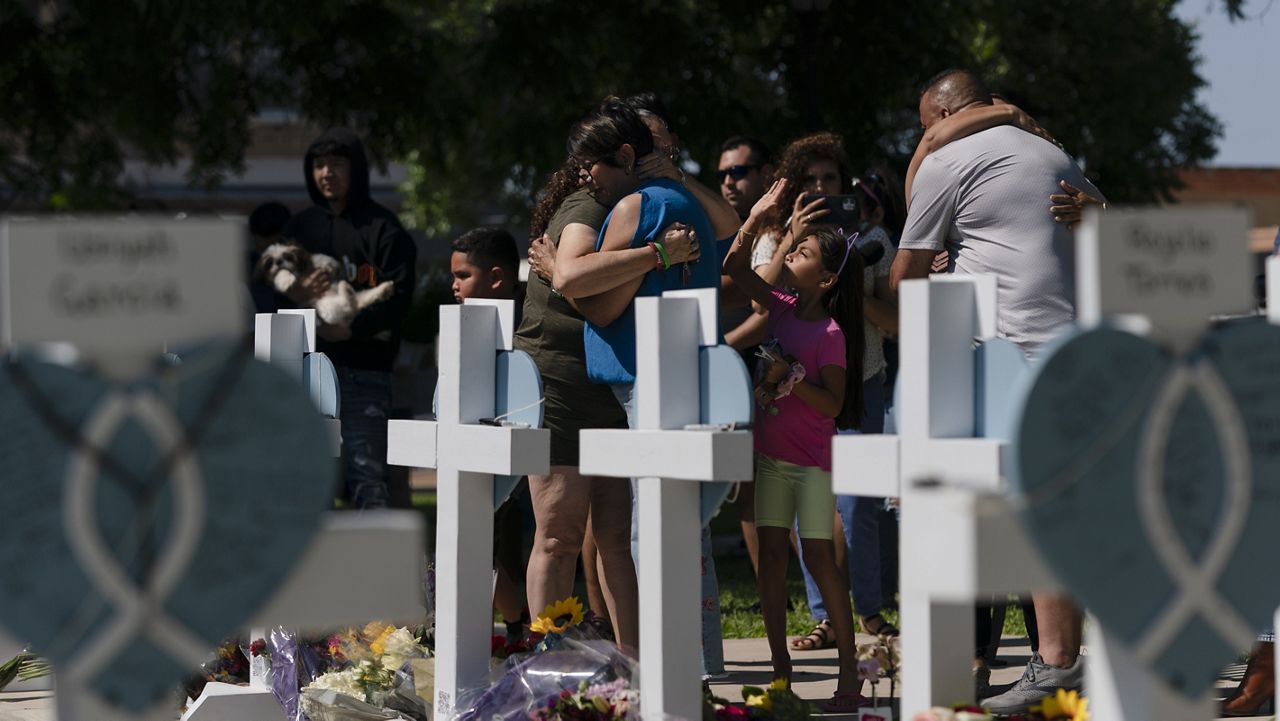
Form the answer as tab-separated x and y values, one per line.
877	626
821	637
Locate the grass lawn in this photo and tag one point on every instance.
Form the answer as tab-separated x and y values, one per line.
739	599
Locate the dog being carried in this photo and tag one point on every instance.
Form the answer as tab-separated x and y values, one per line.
284	265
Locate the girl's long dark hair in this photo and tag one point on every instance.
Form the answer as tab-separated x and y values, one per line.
843	302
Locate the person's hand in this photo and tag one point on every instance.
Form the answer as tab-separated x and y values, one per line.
542	257
309	287
1027	123
778	367
657	165
940	262
681	243
768	206
803	217
1068	207
333	333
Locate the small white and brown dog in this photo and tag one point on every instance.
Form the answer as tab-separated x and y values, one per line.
283	265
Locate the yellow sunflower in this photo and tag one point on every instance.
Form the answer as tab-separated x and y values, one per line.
761	701
1064	706
558	617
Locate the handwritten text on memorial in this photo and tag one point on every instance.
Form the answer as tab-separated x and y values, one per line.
110	284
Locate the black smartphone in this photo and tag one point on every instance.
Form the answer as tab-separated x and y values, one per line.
844	212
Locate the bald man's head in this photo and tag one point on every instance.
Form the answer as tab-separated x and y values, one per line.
949	92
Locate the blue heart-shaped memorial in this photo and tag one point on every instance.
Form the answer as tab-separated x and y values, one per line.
146	521
1151	486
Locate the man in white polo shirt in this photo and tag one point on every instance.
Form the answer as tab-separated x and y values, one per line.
982	198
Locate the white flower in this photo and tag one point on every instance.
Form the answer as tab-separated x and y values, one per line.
400	646
344	682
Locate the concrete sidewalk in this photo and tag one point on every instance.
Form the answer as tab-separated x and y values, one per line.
814	672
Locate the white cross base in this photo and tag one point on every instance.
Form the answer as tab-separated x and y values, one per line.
668	462
466	456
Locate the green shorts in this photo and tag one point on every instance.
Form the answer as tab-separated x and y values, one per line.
785	491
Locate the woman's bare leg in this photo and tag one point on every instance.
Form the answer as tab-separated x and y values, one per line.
560	504
591	574
611	526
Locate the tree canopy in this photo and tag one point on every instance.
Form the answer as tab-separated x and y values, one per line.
477	95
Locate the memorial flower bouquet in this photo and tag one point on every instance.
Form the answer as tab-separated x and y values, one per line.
881	657
365	662
1063	705
775	703
23	667
611	701
348	674
571	672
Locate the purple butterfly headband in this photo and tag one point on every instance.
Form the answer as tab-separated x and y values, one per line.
850	240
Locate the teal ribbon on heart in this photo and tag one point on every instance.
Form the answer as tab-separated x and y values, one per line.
150	519
1151	486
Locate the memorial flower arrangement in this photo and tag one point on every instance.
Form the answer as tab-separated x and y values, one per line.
338	676
365	662
23	667
500	648
558	617
565	671
881	657
775	703
611	701
1063	705
228	665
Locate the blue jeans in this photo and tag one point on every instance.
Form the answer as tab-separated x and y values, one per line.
712	494
366	401
860	516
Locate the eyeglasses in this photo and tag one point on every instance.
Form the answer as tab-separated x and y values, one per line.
587	165
736	172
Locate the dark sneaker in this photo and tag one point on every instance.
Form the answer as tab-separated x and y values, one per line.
981	680
1039	679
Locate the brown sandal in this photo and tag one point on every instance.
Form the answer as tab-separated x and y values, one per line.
877	626
822	636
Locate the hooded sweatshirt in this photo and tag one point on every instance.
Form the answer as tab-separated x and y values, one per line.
372	247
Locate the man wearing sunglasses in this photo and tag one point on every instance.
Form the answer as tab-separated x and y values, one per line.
745	172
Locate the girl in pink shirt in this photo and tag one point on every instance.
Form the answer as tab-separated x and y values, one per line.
802	397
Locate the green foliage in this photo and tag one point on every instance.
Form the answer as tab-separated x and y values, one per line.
477	95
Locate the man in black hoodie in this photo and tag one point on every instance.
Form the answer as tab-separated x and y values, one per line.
372	247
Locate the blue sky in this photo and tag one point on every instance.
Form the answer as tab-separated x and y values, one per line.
1240	61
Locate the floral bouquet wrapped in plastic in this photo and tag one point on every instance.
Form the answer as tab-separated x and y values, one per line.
378	683
571	673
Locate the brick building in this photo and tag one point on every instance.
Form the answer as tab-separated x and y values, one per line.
1257	188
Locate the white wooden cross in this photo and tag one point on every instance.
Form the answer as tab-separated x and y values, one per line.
959	539
669	333
467	455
